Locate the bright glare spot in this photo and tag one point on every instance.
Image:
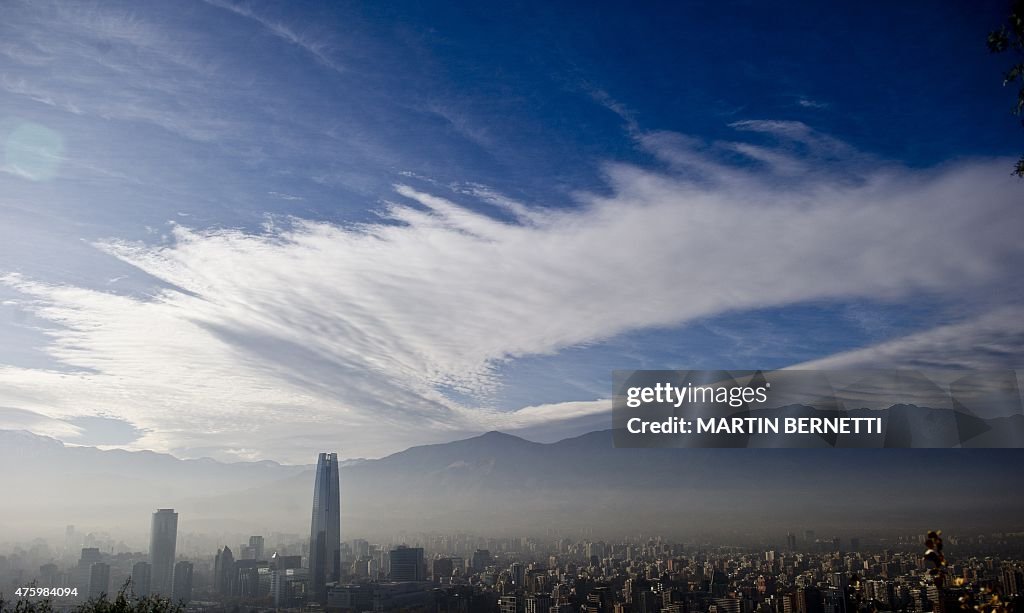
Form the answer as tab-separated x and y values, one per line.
33	151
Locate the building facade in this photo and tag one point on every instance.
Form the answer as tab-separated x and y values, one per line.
182	590
325	528
162	544
141	579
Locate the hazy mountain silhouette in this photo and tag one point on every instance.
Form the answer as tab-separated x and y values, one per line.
501	484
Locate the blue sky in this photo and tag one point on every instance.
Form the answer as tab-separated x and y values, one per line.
249	230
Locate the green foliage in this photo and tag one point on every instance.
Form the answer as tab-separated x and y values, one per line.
122	603
1010	39
25	606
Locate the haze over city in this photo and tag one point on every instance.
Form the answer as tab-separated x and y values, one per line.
705	563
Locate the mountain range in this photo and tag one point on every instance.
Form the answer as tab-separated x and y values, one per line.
501	484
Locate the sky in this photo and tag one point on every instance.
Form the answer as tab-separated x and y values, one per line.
256	230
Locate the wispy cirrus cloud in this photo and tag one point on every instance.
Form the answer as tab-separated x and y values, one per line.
107	63
313	45
398	329
993	340
810	103
818	144
284	196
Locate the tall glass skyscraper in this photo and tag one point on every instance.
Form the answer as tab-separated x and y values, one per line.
325	528
162	541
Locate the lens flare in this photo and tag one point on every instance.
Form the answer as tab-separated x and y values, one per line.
33	151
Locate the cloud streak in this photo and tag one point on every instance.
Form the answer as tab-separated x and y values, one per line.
994	340
312	330
317	48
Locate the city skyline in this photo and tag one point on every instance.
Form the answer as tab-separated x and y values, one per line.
779	574
805	573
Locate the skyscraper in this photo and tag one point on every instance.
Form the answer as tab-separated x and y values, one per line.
481	559
256	546
99	579
325	528
182	592
90	556
142	577
162	542
224	572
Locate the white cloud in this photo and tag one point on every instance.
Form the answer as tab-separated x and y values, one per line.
319	334
315	46
284	196
114	65
994	340
20	419
809	103
539	415
817	143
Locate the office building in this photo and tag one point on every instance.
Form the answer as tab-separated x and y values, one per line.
407	564
288	587
181	591
481	559
162	542
224	572
256	547
141	579
280	562
538	603
325	528
99	579
90	556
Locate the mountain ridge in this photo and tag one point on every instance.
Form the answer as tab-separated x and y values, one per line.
501	482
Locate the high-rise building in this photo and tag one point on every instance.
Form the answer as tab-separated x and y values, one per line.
162	542
182	590
252	579
538	603
835	601
224	572
407	564
517	572
360	548
508	604
99	579
481	559
49	574
325	528
142	576
256	546
71	542
280	562
288	587
90	556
